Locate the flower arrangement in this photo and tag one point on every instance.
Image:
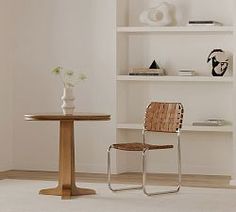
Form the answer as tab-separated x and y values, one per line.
68	77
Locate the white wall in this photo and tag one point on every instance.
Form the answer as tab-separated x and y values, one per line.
78	35
5	89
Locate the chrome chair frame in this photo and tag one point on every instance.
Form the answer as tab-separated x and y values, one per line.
144	162
144	172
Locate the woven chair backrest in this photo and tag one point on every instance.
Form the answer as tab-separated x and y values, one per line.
164	117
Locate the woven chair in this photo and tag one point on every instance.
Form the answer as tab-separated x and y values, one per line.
159	117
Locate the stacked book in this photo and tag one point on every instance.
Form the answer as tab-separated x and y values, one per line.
186	73
210	122
204	23
146	72
153	70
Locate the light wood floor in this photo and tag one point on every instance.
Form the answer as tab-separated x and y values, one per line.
212	181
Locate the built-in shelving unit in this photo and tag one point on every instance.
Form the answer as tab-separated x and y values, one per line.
176	48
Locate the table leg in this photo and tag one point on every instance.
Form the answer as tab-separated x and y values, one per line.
66	185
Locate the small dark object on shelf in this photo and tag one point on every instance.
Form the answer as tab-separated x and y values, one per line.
154	65
145	74
206	23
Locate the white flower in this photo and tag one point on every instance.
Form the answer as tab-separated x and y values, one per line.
68	77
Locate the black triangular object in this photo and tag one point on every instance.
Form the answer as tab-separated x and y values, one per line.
154	65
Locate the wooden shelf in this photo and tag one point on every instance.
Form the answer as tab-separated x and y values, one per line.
175	78
186	128
134	29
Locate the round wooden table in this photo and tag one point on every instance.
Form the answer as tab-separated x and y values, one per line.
66	182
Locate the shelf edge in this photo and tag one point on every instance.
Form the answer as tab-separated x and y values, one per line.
174	78
186	128
143	29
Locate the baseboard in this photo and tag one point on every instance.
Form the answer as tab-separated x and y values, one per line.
3	175
91	168
81	167
121	168
192	180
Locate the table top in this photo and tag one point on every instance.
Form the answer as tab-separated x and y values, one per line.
60	117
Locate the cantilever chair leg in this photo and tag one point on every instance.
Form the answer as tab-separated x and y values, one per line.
109	174
179	173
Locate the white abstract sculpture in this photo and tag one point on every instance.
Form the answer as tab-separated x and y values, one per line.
162	15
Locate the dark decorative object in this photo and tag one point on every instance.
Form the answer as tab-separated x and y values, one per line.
204	23
219	62
153	70
154	65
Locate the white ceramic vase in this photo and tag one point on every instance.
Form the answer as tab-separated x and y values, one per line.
68	98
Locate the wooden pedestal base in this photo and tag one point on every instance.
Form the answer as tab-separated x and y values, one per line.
66	187
67	193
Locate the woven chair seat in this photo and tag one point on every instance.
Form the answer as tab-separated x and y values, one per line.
140	146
